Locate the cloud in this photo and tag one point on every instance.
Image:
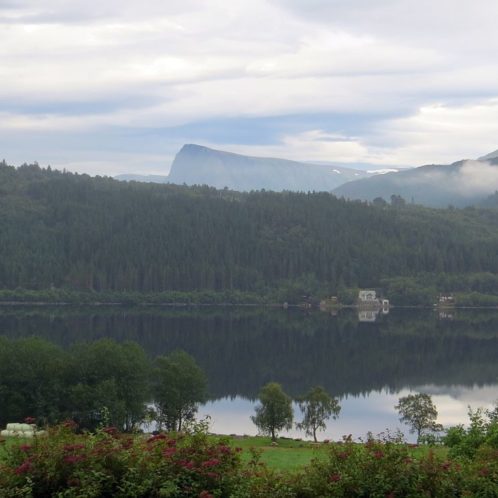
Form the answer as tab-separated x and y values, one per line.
168	65
438	134
310	146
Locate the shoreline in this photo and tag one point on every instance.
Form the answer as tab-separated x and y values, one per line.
232	305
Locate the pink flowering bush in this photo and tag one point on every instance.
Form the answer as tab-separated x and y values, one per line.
110	464
382	468
65	464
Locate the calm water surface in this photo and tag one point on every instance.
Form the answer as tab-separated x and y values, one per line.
367	364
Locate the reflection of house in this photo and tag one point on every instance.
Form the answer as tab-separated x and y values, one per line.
367	315
444	315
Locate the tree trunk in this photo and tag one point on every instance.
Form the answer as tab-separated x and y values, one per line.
314	435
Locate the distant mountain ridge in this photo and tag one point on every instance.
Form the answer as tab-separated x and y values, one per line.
199	165
463	183
196	164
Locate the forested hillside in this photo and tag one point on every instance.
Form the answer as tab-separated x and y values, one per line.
72	231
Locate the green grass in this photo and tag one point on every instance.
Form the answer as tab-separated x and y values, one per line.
6	442
288	454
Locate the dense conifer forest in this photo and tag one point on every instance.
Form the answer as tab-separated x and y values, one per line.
70	231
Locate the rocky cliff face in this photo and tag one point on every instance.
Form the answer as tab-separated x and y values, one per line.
195	164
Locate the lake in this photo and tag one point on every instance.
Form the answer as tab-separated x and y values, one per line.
366	361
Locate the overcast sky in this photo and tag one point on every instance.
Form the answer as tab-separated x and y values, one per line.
119	86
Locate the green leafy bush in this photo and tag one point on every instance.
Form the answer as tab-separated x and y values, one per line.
482	432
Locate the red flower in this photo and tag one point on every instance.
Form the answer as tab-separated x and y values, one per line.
168	452
186	464
158	437
25	467
25	447
29	420
205	494
484	472
70	424
127	444
112	431
73	458
378	454
73	447
335	478
211	463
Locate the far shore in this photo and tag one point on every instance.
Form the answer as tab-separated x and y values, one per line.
233	305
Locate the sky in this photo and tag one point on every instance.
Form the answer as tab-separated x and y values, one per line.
119	86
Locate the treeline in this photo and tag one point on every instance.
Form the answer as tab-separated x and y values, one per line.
96	384
66	231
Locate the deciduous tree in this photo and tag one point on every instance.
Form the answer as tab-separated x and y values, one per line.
317	407
179	386
418	411
274	412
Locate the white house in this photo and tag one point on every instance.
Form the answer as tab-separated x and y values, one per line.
367	296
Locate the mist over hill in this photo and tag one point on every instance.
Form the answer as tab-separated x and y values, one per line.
463	183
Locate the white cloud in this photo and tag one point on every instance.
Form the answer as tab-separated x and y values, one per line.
439	134
172	63
313	145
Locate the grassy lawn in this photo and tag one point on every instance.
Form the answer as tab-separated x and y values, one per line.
286	455
292	455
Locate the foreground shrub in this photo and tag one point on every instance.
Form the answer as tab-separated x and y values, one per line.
481	432
109	464
383	468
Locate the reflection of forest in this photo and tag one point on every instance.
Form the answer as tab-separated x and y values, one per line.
242	348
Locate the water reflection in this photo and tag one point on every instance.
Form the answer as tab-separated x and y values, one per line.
359	414
366	362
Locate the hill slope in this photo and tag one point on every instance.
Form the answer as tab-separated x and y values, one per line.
463	183
73	231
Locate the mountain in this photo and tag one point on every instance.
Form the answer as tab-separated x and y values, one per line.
198	165
463	183
491	155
